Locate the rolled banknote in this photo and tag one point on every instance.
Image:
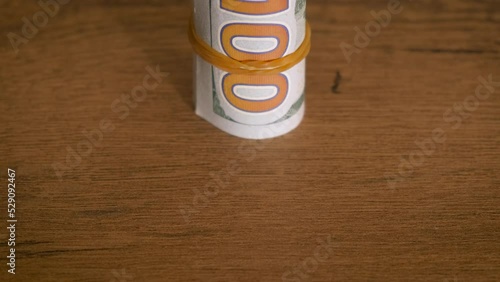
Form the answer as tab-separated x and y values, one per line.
248	105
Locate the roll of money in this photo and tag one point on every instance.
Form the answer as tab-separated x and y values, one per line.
248	105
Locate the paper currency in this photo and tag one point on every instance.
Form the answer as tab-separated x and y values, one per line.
244	105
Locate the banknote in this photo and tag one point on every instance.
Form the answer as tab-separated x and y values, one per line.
248	105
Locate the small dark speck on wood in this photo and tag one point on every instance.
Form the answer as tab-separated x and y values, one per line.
336	83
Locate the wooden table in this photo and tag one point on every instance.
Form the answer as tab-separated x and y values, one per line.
348	196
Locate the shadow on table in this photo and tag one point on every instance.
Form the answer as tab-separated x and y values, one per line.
165	43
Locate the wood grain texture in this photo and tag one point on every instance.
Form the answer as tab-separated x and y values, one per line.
117	215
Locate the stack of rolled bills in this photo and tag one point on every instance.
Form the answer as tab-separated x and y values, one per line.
248	105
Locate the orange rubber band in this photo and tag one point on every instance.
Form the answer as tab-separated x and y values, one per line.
223	62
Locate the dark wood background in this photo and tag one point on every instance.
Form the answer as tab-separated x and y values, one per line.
116	216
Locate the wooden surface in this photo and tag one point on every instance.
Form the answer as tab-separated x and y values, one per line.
116	216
